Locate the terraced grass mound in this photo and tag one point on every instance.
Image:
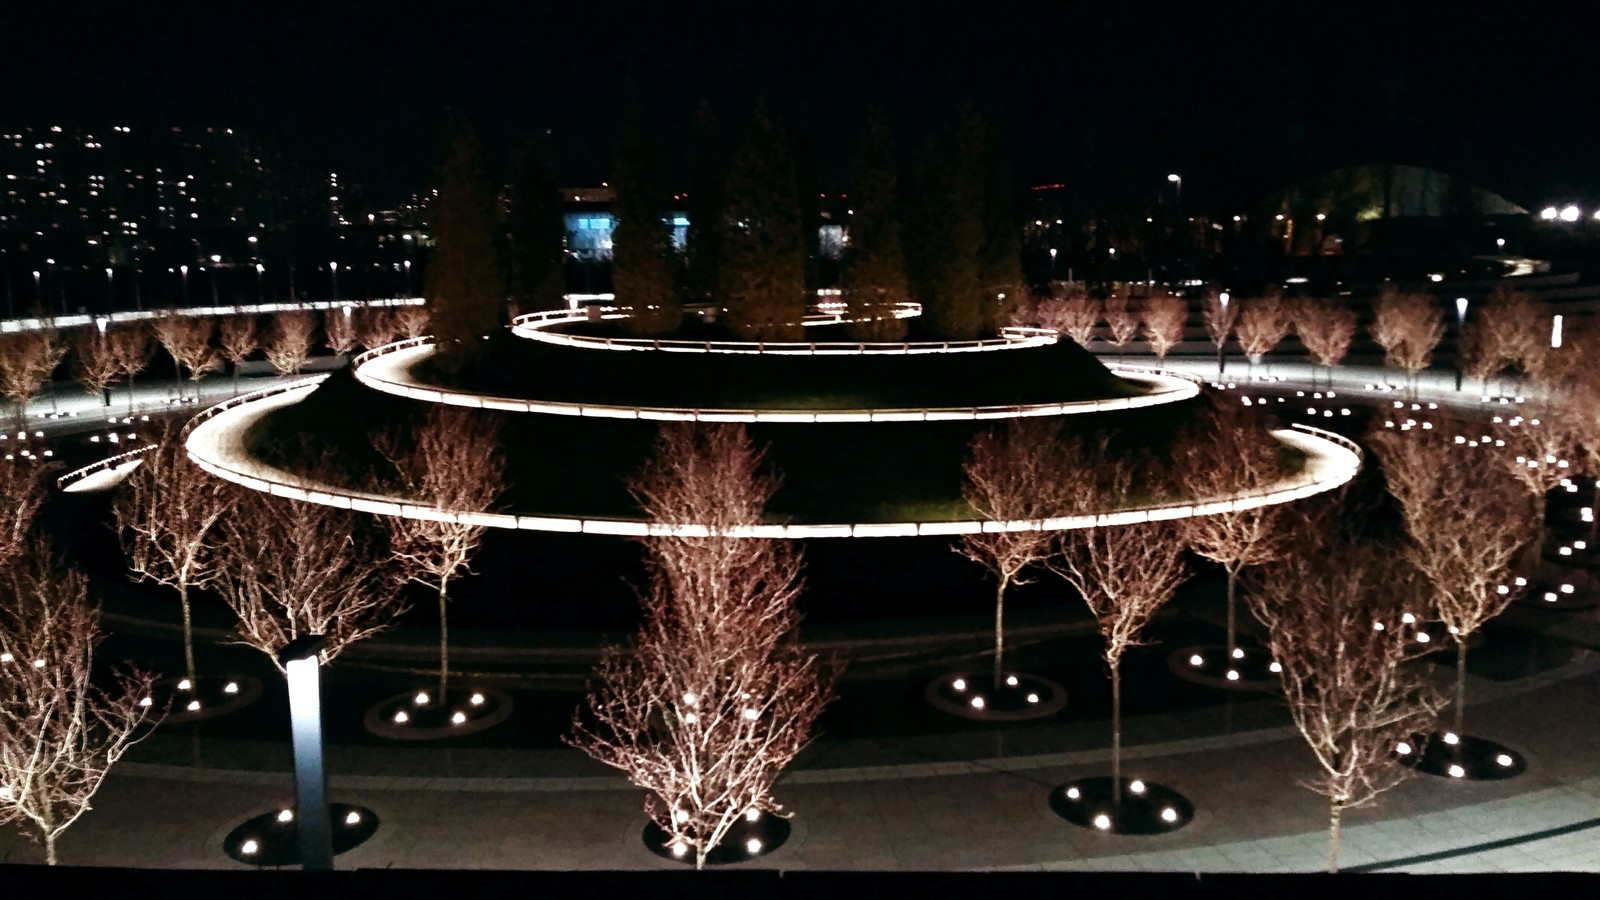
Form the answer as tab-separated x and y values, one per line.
527	369
867	472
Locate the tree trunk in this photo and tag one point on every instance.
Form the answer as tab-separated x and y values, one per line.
1116	741
1333	835
999	632
188	635
1461	679
1233	631
49	848
444	638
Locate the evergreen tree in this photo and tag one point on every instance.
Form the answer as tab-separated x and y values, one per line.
953	219
875	264
1000	257
762	279
643	268
464	290
708	167
537	229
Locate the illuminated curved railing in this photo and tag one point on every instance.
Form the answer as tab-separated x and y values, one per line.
76	476
385	369
215	442
535	327
39	323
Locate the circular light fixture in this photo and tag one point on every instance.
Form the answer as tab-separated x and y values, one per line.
752	846
421	699
1195	660
1504	759
286	815
400	717
1456	771
353	818
1403	748
1169	815
1073	793
1102	822
1275	668
1011	681
1136	786
249	847
1451	738
959	684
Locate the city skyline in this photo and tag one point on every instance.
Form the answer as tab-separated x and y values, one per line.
1240	105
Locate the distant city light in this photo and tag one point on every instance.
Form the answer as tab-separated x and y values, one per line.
1548	213
1570	214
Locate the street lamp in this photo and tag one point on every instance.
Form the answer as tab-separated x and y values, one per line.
1221	360
184	271
302	661
1177	180
407	264
111	291
1052	263
1461	337
335	267
1555	333
1570	214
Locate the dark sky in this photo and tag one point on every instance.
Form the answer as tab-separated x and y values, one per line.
1236	96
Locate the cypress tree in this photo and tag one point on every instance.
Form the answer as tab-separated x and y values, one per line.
708	168
762	279
954	221
1000	258
643	268
875	264
537	229
464	289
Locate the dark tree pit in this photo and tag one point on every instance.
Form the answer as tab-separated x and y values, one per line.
273	839
745	840
1147	808
1462	757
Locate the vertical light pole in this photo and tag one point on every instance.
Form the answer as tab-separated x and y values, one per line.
407	264
1223	298
216	262
38	292
1052	264
111	292
1177	198
1555	333
1461	338
335	268
184	274
261	295
301	659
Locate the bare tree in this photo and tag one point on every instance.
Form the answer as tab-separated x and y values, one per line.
1125	573
239	340
1220	317
59	733
453	463
375	326
1122	320
1263	323
339	330
1334	612
133	348
1229	455
1408	327
1014	474
167	512
94	362
289	342
21	492
1075	314
295	568
413	321
717	697
1466	518
193	350
1326	327
1164	319
170	330
26	361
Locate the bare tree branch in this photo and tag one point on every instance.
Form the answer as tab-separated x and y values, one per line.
453	462
717	697
289	342
1333	610
59	733
1014	474
1074	314
1164	319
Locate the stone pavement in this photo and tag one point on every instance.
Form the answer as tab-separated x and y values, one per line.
915	808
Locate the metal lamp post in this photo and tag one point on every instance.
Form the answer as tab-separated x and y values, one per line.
1461	338
335	268
184	274
301	660
1221	362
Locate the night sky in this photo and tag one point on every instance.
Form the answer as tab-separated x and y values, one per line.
1238	97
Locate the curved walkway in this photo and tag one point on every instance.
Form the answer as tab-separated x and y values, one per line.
215	441
388	369
535	327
